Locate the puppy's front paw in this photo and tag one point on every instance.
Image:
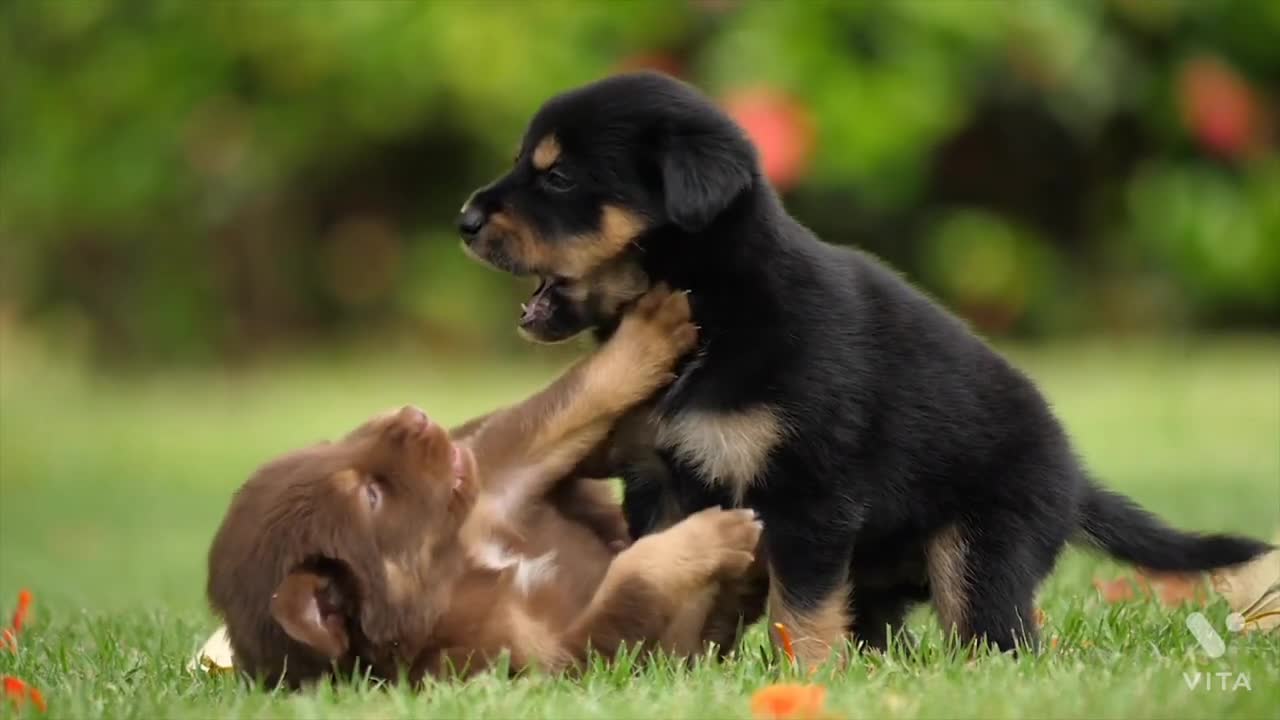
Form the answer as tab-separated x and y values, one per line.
693	557
728	538
659	329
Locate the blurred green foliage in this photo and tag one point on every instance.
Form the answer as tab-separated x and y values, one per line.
190	180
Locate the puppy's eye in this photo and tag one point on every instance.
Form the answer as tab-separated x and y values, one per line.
557	181
373	493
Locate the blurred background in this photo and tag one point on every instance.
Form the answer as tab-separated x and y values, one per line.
201	182
227	227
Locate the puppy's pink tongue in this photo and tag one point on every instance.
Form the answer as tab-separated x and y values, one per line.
538	307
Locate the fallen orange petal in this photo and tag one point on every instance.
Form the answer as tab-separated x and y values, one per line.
20	614
1175	590
19	693
1040	617
37	699
1142	579
1114	591
799	702
9	636
784	637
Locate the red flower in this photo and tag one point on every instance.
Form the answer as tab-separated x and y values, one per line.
780	127
1218	106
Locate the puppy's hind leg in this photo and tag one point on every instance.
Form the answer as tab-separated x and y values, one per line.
660	589
983	583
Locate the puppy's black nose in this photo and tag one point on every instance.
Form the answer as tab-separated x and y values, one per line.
470	220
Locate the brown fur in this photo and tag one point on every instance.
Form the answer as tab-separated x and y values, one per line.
731	448
571	257
399	549
816	632
948	585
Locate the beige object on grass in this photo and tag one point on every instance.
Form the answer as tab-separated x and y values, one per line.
1253	591
216	655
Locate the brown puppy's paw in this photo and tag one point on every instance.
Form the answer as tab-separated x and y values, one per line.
728	538
659	329
702	549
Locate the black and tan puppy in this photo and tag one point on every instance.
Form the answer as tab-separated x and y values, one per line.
894	456
405	548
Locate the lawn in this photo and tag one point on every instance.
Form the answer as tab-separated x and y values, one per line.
110	490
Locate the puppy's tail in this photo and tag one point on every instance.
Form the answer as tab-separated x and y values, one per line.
1125	531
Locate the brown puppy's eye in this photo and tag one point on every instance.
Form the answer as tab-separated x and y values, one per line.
373	493
557	181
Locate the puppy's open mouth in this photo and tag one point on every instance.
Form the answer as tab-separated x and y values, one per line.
537	310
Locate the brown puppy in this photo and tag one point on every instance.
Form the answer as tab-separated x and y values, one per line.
400	550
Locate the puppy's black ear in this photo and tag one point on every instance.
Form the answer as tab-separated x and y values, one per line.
702	173
311	608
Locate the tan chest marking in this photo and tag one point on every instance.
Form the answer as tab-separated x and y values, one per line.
729	449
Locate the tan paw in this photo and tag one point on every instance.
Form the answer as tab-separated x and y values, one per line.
726	538
693	556
659	329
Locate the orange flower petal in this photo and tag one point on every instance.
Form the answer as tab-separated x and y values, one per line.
788	701
1177	589
19	693
1114	591
37	699
784	638
20	615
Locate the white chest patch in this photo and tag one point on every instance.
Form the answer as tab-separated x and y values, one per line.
530	572
729	449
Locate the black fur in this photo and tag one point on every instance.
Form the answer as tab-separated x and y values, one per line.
1118	526
902	423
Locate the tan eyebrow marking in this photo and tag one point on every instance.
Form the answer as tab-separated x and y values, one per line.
346	480
546	153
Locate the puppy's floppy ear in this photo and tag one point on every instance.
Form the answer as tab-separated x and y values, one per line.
311	608
702	173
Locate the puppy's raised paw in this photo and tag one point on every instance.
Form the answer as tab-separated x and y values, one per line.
727	539
739	533
661	325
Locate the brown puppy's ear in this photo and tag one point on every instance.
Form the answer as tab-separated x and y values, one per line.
702	173
309	606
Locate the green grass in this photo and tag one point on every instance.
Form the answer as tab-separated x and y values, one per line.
110	491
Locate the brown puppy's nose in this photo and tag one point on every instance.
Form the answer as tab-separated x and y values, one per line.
470	220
